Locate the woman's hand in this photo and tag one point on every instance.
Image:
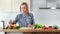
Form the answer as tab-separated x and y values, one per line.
29	25
10	21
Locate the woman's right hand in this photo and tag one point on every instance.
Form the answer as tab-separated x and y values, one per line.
10	25
10	21
29	25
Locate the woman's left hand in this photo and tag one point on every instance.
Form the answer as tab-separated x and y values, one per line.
29	25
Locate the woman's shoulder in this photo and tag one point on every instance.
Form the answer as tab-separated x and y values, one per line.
31	14
19	14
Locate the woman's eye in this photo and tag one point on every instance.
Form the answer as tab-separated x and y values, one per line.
24	7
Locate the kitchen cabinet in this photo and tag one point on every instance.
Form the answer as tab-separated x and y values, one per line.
45	4
35	4
11	5
5	5
45	16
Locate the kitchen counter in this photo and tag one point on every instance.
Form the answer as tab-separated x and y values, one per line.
34	31
28	30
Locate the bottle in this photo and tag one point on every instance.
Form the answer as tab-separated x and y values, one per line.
3	24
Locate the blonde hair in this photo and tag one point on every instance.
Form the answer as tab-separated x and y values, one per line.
24	3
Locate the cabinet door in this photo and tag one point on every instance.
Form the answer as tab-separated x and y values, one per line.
5	5
16	4
9	5
36	4
12	5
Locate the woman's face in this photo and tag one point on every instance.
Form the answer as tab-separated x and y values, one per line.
24	9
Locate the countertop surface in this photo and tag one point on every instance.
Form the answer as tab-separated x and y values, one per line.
28	30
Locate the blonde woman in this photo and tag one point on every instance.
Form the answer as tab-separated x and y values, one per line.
25	19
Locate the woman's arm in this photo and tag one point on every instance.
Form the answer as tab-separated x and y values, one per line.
16	20
32	20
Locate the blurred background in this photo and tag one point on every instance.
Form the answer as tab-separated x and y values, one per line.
46	12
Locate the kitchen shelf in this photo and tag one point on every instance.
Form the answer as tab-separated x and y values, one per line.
57	8
48	8
44	8
45	4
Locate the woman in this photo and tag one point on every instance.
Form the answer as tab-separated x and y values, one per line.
25	19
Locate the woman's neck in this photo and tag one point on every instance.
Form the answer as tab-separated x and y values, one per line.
25	14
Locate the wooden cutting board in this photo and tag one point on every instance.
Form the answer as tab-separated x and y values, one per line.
26	28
